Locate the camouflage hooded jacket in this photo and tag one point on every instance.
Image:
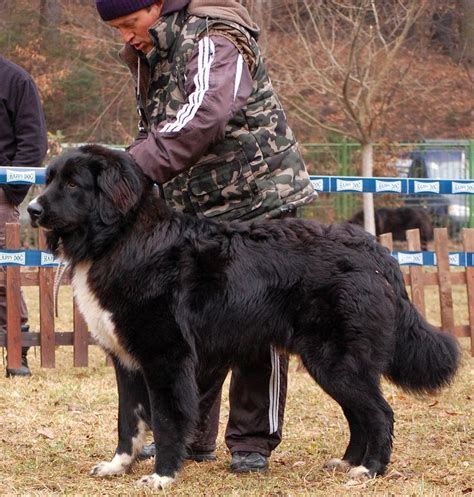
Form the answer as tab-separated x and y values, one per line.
213	132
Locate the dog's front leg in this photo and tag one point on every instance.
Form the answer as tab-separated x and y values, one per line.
174	410
133	419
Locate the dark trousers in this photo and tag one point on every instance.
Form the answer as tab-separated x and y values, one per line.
257	400
8	214
257	404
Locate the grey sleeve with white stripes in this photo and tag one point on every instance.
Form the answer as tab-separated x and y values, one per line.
218	84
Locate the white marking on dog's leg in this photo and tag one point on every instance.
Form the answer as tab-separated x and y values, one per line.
117	466
337	464
156	481
359	473
139	441
122	462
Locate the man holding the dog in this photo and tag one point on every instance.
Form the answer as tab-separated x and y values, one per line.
214	137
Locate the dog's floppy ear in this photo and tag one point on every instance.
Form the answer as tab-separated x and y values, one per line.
120	185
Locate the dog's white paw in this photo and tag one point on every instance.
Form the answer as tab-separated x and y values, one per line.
117	466
156	481
359	473
337	465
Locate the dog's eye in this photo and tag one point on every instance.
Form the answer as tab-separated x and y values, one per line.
71	184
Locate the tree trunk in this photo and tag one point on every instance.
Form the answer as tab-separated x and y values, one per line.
467	30
368	198
260	11
50	12
4	13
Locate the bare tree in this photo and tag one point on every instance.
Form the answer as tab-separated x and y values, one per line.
467	30
4	12
350	60
50	13
261	13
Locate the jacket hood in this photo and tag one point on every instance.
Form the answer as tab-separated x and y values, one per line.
228	10
171	6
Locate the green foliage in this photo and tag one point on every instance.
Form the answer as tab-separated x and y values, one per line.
81	90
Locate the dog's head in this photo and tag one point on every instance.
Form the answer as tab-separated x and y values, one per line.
88	188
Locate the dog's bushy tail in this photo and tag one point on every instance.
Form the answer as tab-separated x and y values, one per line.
425	359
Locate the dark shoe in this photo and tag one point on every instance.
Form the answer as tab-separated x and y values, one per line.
201	455
149	451
247	462
23	371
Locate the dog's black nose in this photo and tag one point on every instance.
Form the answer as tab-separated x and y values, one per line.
34	210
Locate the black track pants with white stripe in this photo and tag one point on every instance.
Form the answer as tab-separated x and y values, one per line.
257	403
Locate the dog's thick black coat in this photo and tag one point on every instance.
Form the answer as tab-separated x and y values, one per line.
398	220
173	298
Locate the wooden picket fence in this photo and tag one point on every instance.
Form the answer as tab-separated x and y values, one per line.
47	339
418	279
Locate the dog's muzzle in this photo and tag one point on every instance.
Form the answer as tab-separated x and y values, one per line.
35	211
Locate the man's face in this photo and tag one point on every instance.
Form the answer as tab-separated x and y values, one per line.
134	27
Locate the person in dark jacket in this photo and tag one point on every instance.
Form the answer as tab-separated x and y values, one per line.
213	135
23	142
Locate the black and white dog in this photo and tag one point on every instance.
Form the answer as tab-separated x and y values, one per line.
172	298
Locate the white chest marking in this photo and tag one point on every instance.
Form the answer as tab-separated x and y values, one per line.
99	320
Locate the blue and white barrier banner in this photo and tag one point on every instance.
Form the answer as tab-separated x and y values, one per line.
22	175
408	186
324	184
30	258
410	258
39	258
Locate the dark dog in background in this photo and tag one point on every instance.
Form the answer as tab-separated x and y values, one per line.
174	299
397	221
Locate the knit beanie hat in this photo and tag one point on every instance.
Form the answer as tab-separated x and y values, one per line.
112	9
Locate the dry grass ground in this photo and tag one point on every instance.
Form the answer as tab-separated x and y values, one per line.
56	425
